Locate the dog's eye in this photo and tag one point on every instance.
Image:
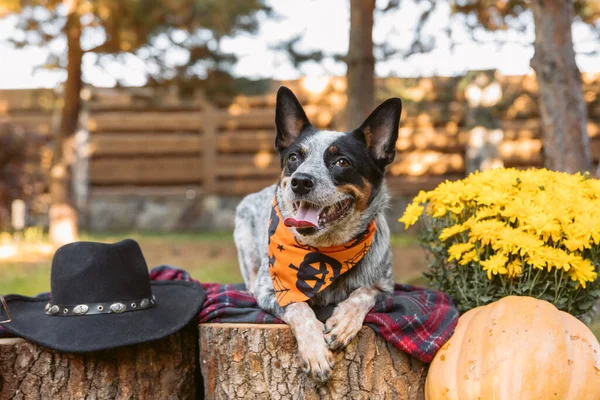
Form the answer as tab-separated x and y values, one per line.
293	161
343	163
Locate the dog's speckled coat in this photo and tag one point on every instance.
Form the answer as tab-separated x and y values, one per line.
368	149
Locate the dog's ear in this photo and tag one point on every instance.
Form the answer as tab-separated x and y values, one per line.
380	131
290	118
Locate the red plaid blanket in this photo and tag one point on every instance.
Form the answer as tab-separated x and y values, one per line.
415	320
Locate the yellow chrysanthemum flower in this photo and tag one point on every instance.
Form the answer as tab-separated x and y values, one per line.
439	210
591	224
468	257
486	231
489	195
495	265
411	215
422	197
515	268
577	237
456	208
543	225
519	208
451	231
583	271
457	250
486	212
517	242
537	258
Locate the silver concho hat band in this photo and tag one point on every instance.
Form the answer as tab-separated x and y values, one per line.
111	307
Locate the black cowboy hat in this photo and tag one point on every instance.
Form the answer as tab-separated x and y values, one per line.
101	298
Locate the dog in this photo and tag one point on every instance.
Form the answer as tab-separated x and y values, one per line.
331	195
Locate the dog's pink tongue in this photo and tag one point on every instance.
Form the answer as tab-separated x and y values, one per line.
306	217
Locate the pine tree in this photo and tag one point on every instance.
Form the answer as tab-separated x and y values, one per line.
128	26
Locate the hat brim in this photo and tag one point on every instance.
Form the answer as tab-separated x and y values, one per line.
177	303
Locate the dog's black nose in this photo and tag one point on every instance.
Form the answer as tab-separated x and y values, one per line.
302	183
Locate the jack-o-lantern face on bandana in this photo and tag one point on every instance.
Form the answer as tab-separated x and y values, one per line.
300	271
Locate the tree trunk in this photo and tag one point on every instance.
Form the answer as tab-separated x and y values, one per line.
563	110
63	214
361	63
244	361
163	369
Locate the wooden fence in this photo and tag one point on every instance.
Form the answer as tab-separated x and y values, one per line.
150	138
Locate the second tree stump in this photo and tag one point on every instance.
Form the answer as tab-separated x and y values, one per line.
247	361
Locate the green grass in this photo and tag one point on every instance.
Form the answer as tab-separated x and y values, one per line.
225	272
404	240
26	279
33	278
179	249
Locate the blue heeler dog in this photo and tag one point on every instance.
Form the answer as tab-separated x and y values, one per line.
330	191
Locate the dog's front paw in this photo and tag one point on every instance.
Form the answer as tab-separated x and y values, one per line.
343	325
316	357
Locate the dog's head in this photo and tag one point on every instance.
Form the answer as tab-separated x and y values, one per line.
331	182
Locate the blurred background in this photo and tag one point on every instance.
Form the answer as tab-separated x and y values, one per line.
152	119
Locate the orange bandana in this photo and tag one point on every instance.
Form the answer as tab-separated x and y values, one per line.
301	271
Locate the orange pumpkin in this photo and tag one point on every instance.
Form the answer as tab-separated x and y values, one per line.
517	348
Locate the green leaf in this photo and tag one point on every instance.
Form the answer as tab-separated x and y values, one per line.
560	303
586	305
595	293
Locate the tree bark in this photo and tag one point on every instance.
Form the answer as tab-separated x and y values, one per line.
244	361
562	107
361	63
163	369
63	214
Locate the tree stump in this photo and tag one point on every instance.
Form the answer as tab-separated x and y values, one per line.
163	369
246	361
